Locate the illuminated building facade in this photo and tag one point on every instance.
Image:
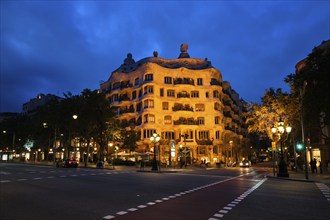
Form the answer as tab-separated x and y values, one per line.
185	101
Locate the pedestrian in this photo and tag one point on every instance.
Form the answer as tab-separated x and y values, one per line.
313	166
320	166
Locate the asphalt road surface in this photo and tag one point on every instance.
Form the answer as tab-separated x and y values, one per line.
41	192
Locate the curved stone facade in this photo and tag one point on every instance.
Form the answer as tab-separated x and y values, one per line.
183	100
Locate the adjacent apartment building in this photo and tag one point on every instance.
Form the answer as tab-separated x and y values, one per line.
198	116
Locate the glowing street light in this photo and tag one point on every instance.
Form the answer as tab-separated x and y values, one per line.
280	129
154	139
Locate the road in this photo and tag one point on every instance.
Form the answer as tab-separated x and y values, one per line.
42	192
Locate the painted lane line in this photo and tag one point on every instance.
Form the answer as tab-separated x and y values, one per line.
132	209
121	213
5	181
178	195
50	177
62	176
233	204
325	190
37	178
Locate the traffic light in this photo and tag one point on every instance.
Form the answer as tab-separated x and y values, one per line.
300	146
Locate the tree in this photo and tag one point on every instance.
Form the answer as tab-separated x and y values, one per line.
275	105
130	137
310	85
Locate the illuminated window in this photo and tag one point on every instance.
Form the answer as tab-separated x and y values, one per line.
149	103
168	119
148	118
200	107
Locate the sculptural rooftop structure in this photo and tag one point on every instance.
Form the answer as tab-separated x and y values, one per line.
183	60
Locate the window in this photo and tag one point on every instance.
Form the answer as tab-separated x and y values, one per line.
168	119
199	81
194	94
168	135
147	133
149	103
200	120
200	107
149	77
134	95
116	85
167	80
140	93
138	106
217	106
216	120
136	82
161	92
203	135
217	135
170	93
148	89
189	134
165	105
148	118
215	94
115	97
206	94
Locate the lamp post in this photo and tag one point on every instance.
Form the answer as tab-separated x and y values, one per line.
280	130
13	147
154	139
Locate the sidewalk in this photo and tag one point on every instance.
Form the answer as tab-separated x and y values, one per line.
301	176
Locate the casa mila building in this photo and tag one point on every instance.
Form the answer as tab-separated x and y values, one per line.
197	115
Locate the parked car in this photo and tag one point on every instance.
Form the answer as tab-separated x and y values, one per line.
67	163
245	163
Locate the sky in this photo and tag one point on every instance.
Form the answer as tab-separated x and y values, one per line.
67	46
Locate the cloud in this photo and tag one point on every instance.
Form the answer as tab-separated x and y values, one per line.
59	46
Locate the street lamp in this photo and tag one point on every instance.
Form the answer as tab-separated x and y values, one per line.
154	139
280	129
13	147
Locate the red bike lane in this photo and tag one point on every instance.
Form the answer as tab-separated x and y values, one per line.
201	203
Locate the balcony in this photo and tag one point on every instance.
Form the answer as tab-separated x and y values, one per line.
215	82
183	95
181	107
185	121
187	81
204	142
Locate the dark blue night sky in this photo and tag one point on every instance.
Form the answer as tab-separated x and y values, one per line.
60	46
